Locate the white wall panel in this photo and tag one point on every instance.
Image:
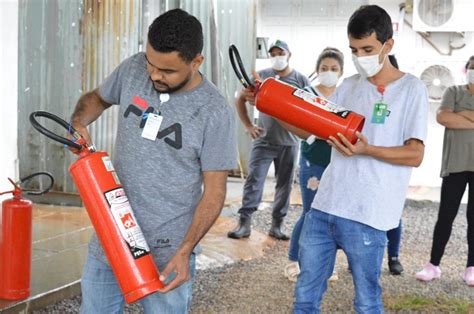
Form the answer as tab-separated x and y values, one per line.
308	30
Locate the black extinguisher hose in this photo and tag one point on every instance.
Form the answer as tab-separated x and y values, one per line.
31	176
239	71
34	122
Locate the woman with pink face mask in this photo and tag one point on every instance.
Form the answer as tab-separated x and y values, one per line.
315	153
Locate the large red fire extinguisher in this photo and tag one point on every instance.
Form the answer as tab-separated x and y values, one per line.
110	213
298	107
15	240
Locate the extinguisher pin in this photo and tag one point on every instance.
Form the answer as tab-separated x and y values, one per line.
91	148
76	135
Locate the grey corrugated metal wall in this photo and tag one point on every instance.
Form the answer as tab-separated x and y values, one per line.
235	23
111	31
49	74
236	20
68	47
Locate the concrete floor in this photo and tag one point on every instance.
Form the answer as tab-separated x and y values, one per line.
59	249
61	234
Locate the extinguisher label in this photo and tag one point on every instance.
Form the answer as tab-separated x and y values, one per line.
127	223
108	163
321	103
116	178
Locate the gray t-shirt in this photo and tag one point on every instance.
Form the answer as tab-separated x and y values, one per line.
273	132
458	145
366	189
163	178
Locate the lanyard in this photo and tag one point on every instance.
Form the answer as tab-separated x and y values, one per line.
380	110
381	90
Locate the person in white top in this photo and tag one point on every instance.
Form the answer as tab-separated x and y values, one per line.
363	190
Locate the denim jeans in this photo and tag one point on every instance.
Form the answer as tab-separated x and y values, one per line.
364	246
310	175
101	292
394	236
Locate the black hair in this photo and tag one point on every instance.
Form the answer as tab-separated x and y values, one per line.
370	19
393	60
333	53
176	30
471	59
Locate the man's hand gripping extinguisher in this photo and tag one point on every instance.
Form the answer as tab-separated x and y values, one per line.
15	240
110	213
298	107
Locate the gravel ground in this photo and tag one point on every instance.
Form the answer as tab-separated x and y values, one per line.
259	286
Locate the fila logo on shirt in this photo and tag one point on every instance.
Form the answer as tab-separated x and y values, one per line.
141	109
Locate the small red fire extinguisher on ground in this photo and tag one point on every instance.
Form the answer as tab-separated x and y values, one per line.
110	213
15	240
298	107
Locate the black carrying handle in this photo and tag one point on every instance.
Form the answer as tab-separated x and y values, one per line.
239	71
52	135
31	176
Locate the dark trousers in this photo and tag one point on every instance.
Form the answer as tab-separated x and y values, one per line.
452	190
393	244
261	157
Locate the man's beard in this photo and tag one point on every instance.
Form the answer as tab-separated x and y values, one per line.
167	89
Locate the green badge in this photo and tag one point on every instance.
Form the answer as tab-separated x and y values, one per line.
379	113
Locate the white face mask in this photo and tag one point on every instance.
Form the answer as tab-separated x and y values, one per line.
470	76
328	78
368	66
279	63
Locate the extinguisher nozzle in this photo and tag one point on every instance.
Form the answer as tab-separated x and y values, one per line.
52	135
240	70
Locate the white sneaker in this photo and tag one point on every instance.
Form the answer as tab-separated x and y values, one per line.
428	273
469	276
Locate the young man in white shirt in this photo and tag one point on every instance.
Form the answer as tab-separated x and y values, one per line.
362	192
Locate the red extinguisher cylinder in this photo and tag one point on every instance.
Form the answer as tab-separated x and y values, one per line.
116	226
15	248
307	111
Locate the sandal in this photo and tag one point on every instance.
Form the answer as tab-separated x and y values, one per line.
291	271
334	277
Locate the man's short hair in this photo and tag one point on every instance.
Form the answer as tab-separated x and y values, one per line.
176	30
370	19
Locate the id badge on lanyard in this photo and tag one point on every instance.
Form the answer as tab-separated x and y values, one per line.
380	111
152	126
153	121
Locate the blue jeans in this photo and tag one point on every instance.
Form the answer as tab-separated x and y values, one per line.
364	246
101	292
310	175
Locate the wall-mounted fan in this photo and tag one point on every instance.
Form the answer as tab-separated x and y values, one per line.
435	12
443	15
437	78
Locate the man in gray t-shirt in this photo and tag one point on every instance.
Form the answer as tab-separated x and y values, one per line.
272	143
175	144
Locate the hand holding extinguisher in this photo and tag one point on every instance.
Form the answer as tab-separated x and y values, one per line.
110	213
299	108
15	239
